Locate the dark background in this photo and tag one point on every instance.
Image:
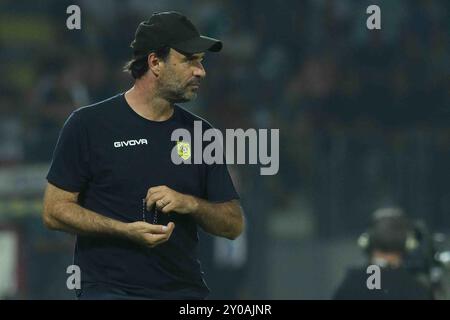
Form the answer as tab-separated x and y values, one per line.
363	118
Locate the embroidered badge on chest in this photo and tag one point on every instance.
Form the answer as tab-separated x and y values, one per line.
184	150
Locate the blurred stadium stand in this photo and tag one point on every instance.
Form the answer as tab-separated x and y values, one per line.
363	116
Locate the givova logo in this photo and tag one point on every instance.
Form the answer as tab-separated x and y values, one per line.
120	144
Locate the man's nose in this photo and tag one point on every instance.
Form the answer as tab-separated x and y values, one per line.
199	71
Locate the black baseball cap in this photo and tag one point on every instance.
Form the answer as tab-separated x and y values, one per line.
174	30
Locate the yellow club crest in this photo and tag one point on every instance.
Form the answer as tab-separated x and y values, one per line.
184	150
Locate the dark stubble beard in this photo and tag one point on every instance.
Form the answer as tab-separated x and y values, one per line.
172	91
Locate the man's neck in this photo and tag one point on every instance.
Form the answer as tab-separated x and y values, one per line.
147	104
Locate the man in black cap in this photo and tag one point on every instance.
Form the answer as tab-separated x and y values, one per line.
113	183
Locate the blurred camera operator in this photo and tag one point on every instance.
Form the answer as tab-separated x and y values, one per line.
388	240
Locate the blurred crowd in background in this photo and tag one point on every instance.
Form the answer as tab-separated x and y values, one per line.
363	115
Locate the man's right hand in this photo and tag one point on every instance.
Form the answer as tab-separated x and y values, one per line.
148	235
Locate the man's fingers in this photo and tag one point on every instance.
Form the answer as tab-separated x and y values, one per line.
156	239
150	193
157	188
168	208
149	203
151	199
154	195
163	202
170	227
157	229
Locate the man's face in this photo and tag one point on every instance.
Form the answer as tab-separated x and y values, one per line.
180	76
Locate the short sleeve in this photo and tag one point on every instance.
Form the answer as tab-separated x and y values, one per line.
69	169
219	185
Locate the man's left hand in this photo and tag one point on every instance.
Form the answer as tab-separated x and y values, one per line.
168	200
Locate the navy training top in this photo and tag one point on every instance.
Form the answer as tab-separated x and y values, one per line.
112	156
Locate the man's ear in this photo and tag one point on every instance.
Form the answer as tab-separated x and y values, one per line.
154	64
